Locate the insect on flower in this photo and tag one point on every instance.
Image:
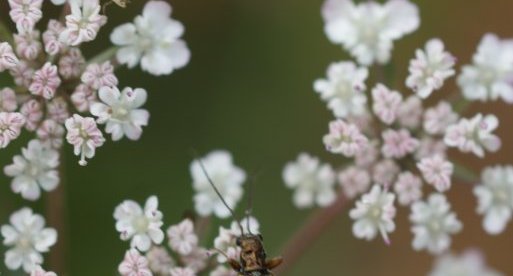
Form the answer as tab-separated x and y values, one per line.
253	258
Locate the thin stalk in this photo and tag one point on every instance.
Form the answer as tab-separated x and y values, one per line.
104	56
318	222
57	216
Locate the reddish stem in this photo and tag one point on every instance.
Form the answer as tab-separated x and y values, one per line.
309	232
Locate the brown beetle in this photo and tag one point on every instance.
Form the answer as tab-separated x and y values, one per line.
253	259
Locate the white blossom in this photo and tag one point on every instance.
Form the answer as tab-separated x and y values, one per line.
182	238
470	263
474	135
344	88
34	170
430	68
83	23
489	77
142	226
153	40
27	238
368	30
433	223
495	198
313	182
374	213
227	178
121	111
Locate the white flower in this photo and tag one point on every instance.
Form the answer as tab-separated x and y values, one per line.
408	188
472	135
159	260
313	182
438	118
409	113
470	263
153	39
489	77
10	127
344	138
35	168
182	271
495	198
182	238
197	260
27	238
121	112
84	135
227	178
367	30
436	171
433	223
385	171
386	103
142	226
354	181
39	271
430	68
83	23
374	213
343	90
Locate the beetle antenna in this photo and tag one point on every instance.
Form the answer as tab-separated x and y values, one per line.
104	7
249	207
202	166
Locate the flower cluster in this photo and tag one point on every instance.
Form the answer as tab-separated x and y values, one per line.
58	94
392	144
148	255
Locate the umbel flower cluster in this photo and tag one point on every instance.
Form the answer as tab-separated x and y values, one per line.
182	254
60	98
392	145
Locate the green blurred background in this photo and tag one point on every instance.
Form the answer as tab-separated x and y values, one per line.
248	89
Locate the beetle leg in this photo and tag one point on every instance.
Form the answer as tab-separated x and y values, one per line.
235	265
274	262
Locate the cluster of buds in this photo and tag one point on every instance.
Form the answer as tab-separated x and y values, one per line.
392	146
183	255
59	95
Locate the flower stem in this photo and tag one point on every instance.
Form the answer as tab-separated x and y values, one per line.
58	219
104	56
318	222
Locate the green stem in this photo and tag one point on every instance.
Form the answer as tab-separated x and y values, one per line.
104	56
465	174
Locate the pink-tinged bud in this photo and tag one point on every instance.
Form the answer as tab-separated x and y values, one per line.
7	100
22	74
83	97
99	75
33	113
25	13
51	37
45	81
58	110
10	127
7	58
84	135
71	64
28	45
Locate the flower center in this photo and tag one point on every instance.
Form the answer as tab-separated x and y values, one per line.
141	224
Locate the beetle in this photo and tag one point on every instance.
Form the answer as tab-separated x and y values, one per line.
253	258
